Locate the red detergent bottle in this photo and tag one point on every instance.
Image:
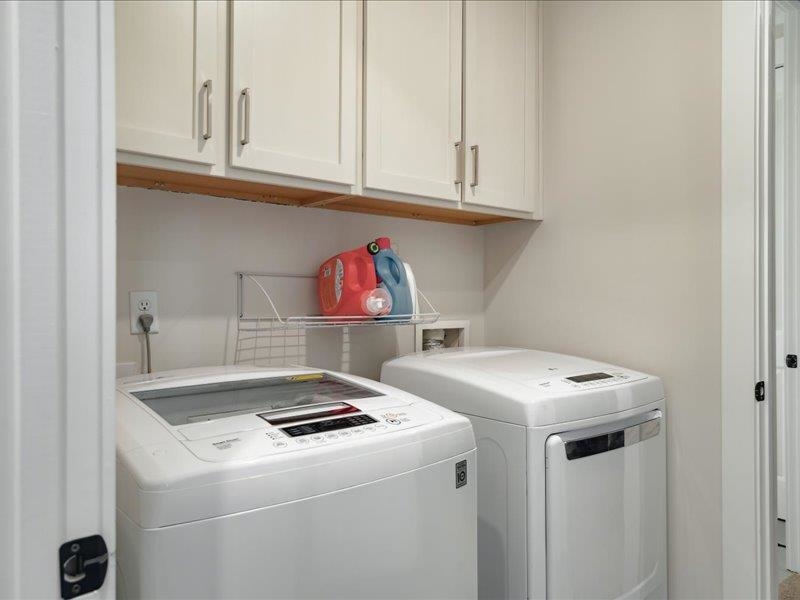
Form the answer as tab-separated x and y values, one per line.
347	286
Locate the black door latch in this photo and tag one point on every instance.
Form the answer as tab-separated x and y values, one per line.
83	564
791	361
760	391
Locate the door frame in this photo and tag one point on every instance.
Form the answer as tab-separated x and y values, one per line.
748	333
791	289
57	290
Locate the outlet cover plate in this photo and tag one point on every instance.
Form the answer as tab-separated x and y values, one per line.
143	303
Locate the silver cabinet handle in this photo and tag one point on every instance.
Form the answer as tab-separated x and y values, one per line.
459	165
246	118
207	127
474	150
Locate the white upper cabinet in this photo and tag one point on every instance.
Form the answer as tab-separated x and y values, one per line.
412	104
501	110
293	88
442	114
168	79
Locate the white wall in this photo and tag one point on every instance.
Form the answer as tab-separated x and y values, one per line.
188	247
626	266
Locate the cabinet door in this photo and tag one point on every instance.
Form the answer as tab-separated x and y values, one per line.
501	112
413	57
167	78
293	96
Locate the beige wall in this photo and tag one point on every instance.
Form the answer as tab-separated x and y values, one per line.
188	248
626	265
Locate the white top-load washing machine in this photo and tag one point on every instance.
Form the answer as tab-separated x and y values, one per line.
571	469
292	483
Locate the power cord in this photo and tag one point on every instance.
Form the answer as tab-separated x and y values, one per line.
146	321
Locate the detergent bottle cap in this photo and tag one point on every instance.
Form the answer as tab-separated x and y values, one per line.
376	302
384	243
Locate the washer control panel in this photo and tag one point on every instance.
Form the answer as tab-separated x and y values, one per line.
328	425
309	434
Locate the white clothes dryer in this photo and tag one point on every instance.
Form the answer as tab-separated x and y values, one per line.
571	469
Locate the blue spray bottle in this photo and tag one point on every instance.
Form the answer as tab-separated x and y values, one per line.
392	275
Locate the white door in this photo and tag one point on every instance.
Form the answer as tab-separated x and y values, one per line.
293	95
57	285
500	104
412	105
168	78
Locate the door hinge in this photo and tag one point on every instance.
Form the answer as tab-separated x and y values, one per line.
83	564
791	361
760	395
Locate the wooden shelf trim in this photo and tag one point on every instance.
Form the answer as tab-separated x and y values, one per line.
191	183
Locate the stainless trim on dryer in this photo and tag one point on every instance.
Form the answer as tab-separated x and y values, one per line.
596	440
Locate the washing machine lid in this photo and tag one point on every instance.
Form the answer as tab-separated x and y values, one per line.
280	398
521	386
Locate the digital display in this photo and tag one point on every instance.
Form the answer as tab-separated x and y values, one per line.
589	377
328	425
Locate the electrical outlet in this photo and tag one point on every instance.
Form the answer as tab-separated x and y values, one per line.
143	303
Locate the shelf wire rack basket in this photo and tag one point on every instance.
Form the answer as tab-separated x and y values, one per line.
275	339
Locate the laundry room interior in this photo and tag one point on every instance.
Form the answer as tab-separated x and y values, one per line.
402	299
605	263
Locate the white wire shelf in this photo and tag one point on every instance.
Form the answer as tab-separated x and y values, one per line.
269	338
254	324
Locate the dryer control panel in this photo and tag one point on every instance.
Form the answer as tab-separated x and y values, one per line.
598	379
586	381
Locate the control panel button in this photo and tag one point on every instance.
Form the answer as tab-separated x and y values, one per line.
331	436
393	421
279	444
344	434
303	441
